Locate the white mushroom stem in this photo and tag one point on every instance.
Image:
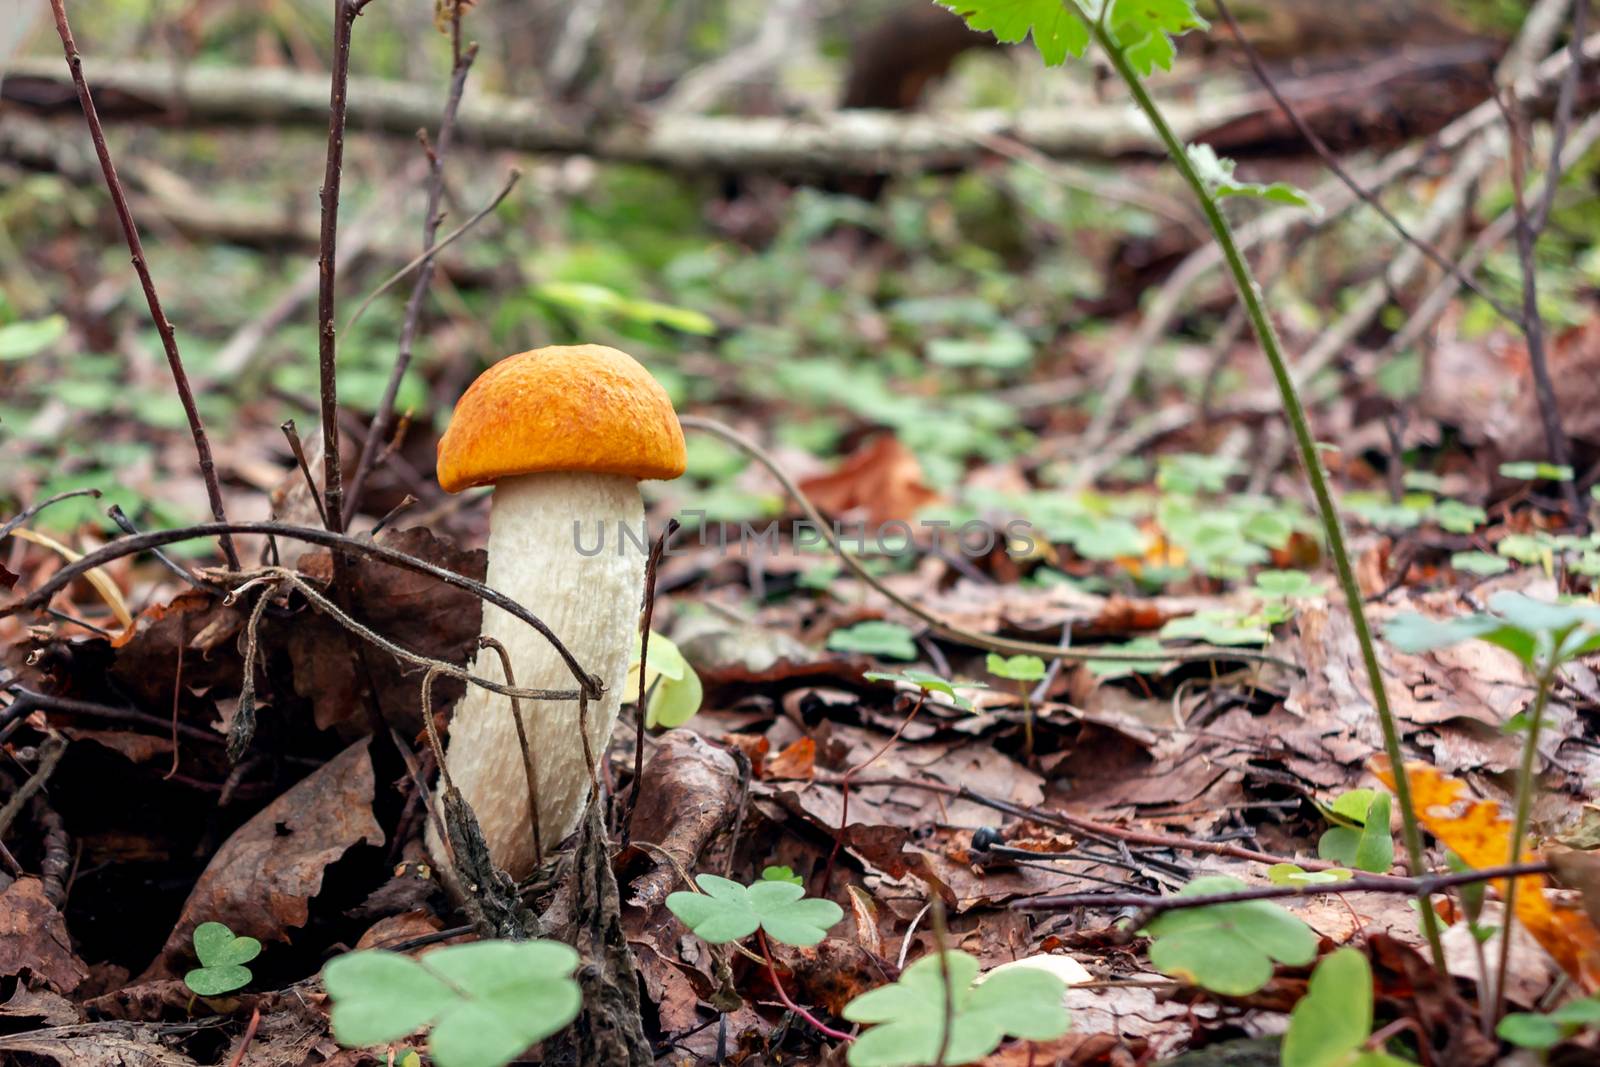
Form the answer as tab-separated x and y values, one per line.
543	535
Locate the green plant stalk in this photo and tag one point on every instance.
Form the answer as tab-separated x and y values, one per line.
1519	828
1295	412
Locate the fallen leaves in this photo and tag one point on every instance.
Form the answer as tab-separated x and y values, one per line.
261	881
882	478
34	940
1478	832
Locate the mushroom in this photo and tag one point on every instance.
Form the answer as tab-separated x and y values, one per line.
565	434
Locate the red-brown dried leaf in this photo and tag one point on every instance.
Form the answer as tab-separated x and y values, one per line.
882	477
796	761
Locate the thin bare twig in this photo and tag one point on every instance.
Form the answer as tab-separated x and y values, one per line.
344	18
1529	227
130	233
529	770
33	509
1331	161
650	567
1153	905
291	433
461	66
425	258
128	546
939	625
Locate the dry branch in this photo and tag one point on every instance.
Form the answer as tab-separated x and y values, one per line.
868	142
130	233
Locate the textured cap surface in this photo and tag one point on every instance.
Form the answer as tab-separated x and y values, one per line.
562	408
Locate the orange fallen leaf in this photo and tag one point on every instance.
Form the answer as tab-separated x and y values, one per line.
882	477
1480	834
797	760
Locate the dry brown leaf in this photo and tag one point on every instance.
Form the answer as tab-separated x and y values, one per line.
106	1046
410	609
34	939
882	477
262	879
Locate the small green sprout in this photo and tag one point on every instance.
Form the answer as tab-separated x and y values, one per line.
222	960
673	686
1360	836
887	640
781	874
726	910
1023	670
928	683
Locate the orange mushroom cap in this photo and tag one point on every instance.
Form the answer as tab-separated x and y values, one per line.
562	408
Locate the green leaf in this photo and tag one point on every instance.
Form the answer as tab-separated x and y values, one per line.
1004	350
1350	807
1480	563
907	1018
781	874
1057	28
1217	628
1217	174
19	340
674	687
518	994
380	997
222	957
1456	517
728	911
1294	874
928	683
1541	472
1119	668
216	946
1145	28
1228	948
1339	845
487	1001
1287	585
1334	1019
888	640
1023	668
1375	850
1527	1030
215	981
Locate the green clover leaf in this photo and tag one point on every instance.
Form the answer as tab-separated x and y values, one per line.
1332	1022
674	687
728	911
222	960
1022	668
487	1002
888	640
907	1018
1228	948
